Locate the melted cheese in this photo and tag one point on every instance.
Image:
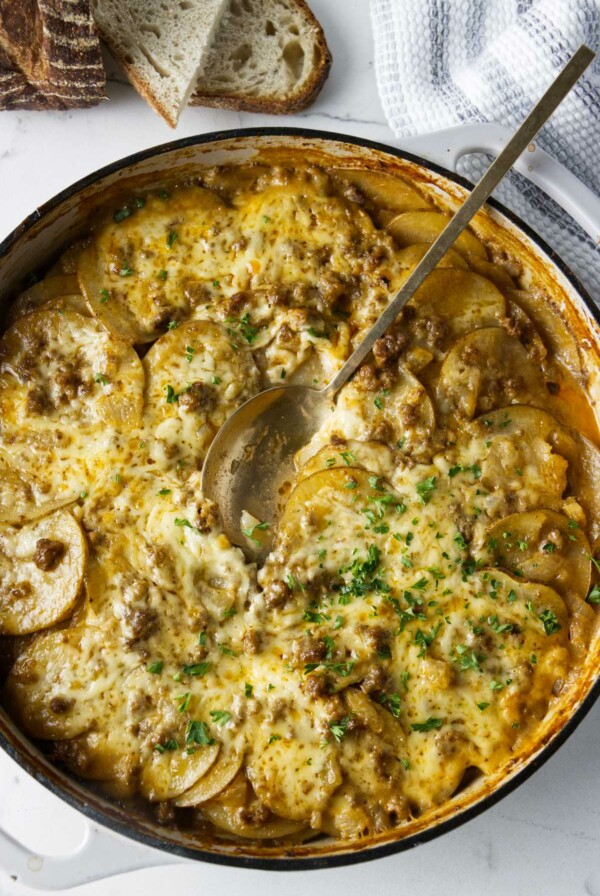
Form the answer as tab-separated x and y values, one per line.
386	646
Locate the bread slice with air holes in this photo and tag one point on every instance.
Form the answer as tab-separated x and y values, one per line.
161	44
266	56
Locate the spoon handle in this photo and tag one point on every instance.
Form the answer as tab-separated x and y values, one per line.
538	116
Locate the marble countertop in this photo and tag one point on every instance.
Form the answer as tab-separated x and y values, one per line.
542	839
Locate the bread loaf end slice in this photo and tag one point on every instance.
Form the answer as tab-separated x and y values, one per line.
161	44
266	56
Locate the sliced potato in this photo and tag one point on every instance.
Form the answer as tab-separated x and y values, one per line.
451	303
412	255
526	459
555	331
584	476
61	368
110	755
544	546
68	261
315	498
287	782
23	499
168	774
217	778
224	812
386	195
362	506
485	370
136	272
195	380
373	456
425	226
371	799
498	275
59	286
41	571
401	415
58	682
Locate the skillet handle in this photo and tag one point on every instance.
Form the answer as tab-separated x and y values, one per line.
447	146
101	854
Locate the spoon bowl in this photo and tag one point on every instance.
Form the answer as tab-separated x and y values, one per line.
249	468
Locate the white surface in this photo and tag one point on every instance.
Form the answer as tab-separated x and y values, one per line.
542	839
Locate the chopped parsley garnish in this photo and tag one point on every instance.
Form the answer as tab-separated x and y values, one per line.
185	524
172	237
172	325
260	527
162	275
248	690
378	401
425	488
594	595
190	351
499	627
460	541
122	213
339	728
430	725
227	651
196	669
216	380
550	622
197	733
164	491
364	578
392	701
316	334
125	271
315	616
244	326
274	738
101	378
168	745
549	547
185	701
172	395
482	706
220	716
468	659
155	668
348	457
341	669
424	640
104	296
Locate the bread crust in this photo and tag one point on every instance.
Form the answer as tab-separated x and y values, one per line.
271	104
49	55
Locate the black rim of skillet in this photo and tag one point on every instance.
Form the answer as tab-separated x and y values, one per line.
316	862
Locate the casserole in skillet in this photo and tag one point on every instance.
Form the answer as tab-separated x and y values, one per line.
428	604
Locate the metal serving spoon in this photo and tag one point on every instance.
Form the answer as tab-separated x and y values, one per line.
249	465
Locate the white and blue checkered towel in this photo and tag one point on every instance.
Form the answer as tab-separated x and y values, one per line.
441	63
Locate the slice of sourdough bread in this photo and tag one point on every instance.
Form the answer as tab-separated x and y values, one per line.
161	44
266	56
49	55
